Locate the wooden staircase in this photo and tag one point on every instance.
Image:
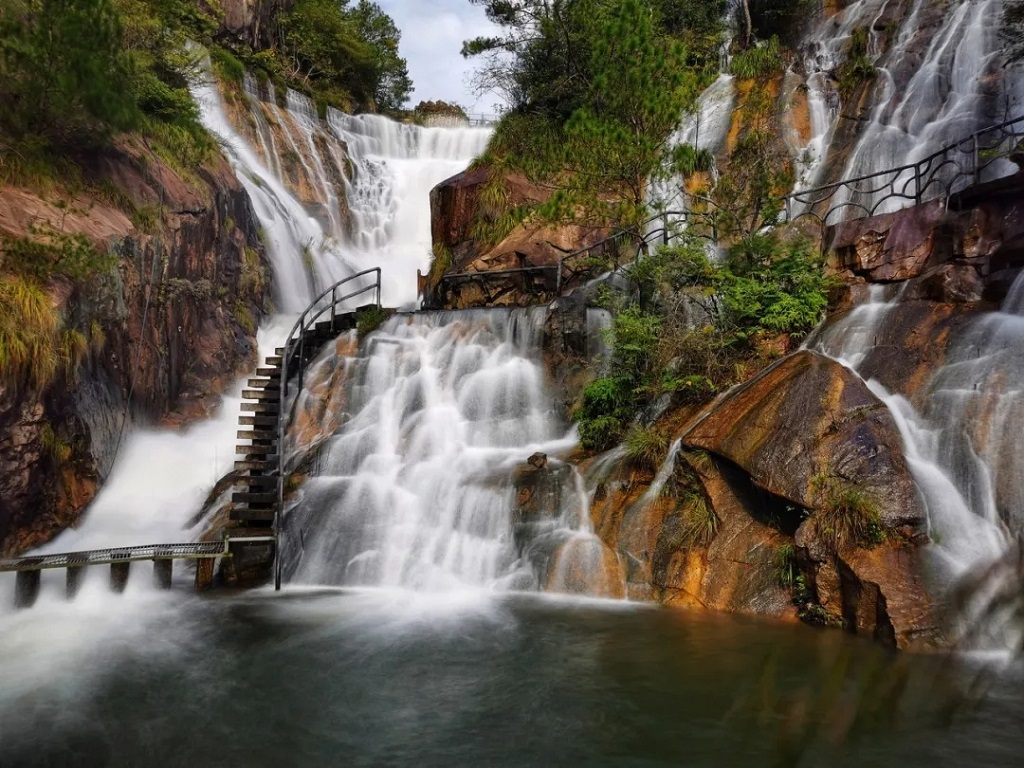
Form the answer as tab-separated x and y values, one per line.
261	423
257	508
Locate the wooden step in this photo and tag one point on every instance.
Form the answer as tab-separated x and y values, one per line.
259	481
261	420
245	514
245	533
254	500
273	373
266	395
265	383
259	452
274	360
255	466
261	407
261	436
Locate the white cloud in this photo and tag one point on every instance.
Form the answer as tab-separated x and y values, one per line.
432	36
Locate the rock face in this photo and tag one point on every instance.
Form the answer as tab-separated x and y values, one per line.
177	319
458	205
963	251
808	416
733	520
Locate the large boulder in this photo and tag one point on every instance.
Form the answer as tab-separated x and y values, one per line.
806	417
459	205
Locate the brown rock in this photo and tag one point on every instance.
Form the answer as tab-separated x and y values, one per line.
807	416
538	460
584	565
950	283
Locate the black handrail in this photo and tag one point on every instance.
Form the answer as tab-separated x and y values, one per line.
965	159
665	232
296	343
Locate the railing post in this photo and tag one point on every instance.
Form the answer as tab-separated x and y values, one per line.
26	588
334	292
917	184
977	160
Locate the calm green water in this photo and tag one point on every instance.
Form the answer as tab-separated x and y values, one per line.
386	679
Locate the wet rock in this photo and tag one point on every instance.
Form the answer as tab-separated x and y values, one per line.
584	565
950	283
912	344
804	417
981	228
538	460
171	326
458	204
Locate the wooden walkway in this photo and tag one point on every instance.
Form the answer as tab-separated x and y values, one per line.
252	542
204	554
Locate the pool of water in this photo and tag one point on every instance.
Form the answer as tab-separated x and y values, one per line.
371	678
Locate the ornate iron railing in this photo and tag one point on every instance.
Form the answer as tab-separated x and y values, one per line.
970	160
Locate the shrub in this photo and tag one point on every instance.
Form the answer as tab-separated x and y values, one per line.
605	409
646	447
784	561
47	253
773	286
846	515
700	523
758	61
30	344
369	320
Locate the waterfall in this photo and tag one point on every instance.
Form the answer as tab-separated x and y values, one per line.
337	196
394	167
962	434
938	82
705	129
415	489
824	51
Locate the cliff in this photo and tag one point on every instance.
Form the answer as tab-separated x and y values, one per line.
160	333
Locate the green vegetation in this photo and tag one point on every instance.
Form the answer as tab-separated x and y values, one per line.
34	348
646	447
369	320
427	111
846	515
700	523
857	67
344	55
48	253
784	561
597	87
697	328
758	61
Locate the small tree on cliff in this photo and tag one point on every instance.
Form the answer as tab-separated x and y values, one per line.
619	139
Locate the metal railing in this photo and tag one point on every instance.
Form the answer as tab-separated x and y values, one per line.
295	348
573	266
940	175
189	551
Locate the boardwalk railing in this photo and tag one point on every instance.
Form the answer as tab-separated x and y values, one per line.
575	267
970	160
320	322
28	569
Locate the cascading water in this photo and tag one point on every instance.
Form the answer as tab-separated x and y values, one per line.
415	489
394	167
706	129
936	83
964	439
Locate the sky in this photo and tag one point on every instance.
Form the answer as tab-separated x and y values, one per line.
432	35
